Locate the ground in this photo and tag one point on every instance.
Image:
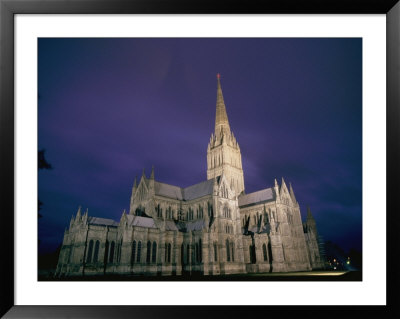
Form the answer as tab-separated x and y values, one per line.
289	276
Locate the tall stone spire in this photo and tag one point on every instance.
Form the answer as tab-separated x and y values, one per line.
221	118
223	151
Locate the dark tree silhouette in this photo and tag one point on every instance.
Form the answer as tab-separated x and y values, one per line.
42	164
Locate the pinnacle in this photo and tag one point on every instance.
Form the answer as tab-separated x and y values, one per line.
152	172
221	118
135	182
309	215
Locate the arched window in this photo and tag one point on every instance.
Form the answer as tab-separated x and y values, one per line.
169	212
266	219
182	254
154	254
148	253
233	251
196	252
90	251
215	252
265	252
96	251
133	252
159	211
228	255
200	251
112	248
187	254
139	251
119	250
251	254
210	209
193	255
270	252
106	250
169	253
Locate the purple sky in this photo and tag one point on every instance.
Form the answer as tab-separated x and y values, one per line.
110	107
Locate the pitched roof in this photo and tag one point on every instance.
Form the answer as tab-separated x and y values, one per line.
102	221
263	195
170	225
140	221
191	192
198	190
167	190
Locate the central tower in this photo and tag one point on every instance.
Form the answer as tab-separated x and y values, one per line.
223	152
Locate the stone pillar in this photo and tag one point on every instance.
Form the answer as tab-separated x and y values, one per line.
205	256
278	261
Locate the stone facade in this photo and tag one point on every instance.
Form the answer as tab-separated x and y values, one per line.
209	228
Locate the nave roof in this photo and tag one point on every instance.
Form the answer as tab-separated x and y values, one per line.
254	198
102	221
146	222
191	192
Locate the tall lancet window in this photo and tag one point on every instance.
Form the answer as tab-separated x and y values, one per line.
90	251
139	251
169	253
228	255
264	247
133	252
96	251
154	254
148	252
112	248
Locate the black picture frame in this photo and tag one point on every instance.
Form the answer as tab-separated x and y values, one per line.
8	10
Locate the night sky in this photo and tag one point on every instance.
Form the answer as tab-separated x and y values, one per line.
108	108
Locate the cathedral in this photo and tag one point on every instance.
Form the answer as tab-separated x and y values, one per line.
210	228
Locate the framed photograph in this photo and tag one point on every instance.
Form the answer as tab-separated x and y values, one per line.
209	156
